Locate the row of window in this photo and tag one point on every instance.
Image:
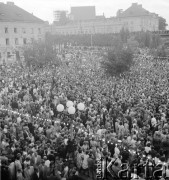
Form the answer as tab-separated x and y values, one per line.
8	54
90	32
15	30
17	42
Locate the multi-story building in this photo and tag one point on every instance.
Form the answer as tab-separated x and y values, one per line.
82	13
17	28
58	15
135	19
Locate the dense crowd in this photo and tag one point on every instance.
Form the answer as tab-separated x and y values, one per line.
125	120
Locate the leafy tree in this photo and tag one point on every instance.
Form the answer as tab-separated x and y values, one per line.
147	39
124	35
161	51
117	61
132	43
155	41
162	23
39	53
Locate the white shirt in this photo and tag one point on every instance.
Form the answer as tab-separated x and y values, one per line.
147	149
65	141
167	172
116	151
40	129
18	120
153	121
85	162
47	163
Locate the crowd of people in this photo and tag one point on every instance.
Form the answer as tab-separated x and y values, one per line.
125	122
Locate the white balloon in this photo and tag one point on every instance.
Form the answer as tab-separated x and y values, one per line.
69	104
60	107
81	106
71	110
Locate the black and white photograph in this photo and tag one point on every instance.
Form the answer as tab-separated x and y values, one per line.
84	89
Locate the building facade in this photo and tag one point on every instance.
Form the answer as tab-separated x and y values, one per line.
83	13
135	19
17	29
58	15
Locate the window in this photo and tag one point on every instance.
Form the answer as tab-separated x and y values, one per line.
39	30
24	41
15	30
32	31
16	41
6	30
8	54
7	41
39	39
23	30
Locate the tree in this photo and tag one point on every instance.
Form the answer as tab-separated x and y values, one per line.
124	35
155	41
117	61
132	43
39	53
162	24
161	51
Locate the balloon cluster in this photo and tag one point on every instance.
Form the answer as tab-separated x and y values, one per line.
71	109
60	108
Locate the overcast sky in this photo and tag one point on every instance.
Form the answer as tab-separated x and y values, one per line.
44	8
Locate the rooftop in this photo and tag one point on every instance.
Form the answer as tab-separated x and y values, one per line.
134	10
11	13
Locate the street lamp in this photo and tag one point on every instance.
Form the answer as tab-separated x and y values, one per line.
60	107
71	111
70	107
69	104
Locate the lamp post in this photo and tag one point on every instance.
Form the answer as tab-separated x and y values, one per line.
91	40
71	110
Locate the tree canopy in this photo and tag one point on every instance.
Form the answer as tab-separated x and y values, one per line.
117	61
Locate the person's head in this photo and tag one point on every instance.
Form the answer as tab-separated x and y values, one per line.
116	163
36	169
28	165
27	158
45	158
148	144
18	156
19	171
157	155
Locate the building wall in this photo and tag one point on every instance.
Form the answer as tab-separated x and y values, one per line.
83	13
145	23
24	33
112	25
58	14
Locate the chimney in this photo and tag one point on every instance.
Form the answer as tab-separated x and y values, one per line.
134	4
10	3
